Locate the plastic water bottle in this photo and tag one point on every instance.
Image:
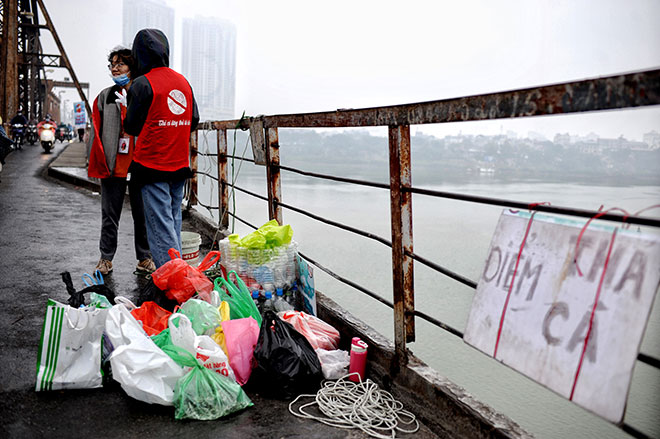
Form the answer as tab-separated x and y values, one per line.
255	298
290	264
268	303
291	295
278	274
279	304
358	360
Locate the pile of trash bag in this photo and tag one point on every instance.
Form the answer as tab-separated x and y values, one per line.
195	356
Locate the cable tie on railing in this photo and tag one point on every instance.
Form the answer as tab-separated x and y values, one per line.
239	124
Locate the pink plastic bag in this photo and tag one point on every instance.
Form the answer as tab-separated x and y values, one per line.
180	281
241	337
316	331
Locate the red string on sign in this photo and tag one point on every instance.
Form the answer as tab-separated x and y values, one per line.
584	229
655	206
513	278
593	312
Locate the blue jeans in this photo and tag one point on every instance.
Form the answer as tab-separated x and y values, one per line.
162	214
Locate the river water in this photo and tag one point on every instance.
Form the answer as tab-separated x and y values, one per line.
455	235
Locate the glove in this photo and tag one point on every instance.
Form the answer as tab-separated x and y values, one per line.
121	97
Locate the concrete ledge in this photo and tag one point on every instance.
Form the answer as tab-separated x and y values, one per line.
68	177
445	408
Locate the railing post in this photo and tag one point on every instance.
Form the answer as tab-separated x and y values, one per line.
401	214
223	187
273	174
192	197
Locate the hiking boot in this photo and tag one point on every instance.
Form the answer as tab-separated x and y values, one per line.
146	266
104	266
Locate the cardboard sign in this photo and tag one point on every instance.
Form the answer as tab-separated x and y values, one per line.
306	285
552	329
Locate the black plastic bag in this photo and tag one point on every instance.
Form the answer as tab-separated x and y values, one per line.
77	298
151	293
286	363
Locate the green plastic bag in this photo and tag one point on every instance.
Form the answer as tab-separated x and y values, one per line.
202	393
269	235
203	316
163	338
99	301
238	296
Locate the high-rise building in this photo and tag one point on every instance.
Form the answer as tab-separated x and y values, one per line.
142	14
209	63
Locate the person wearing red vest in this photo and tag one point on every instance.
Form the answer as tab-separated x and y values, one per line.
110	155
162	113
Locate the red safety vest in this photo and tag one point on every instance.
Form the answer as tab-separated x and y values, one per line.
163	143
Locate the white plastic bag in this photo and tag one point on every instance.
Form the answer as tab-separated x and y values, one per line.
144	371
334	364
70	352
211	355
203	347
181	332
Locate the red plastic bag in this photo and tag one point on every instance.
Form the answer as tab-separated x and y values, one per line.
316	331
153	317
180	281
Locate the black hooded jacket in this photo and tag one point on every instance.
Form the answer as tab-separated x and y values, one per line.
150	50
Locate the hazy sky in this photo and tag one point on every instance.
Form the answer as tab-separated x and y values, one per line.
298	56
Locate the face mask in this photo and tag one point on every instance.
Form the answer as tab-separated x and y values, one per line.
121	79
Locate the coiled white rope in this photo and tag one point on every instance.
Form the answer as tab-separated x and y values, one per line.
362	405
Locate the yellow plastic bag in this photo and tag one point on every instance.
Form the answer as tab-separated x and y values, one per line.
269	235
219	336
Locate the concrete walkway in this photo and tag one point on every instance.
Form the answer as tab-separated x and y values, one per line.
50	226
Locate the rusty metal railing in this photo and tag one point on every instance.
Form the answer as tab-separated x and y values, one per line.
598	94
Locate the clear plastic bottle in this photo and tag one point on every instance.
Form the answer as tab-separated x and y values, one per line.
242	263
256	299
291	295
278	273
279	304
267	305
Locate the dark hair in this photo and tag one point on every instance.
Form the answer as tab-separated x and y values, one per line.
123	55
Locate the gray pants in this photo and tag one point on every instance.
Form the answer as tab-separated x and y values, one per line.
113	190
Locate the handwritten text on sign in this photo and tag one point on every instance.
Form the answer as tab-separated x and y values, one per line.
551	308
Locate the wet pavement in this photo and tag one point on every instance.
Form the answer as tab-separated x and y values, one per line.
48	226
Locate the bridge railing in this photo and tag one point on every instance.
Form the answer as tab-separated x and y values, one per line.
607	93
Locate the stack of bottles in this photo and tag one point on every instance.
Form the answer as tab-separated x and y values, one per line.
270	274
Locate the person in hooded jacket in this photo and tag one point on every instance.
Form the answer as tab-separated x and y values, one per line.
162	113
110	156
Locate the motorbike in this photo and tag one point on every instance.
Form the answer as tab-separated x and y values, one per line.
61	133
31	135
18	134
47	136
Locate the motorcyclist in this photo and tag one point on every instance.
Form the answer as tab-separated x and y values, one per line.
22	122
47	120
62	132
19	119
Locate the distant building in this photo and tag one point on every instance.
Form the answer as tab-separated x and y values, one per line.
652	139
152	14
536	136
209	63
562	139
618	143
